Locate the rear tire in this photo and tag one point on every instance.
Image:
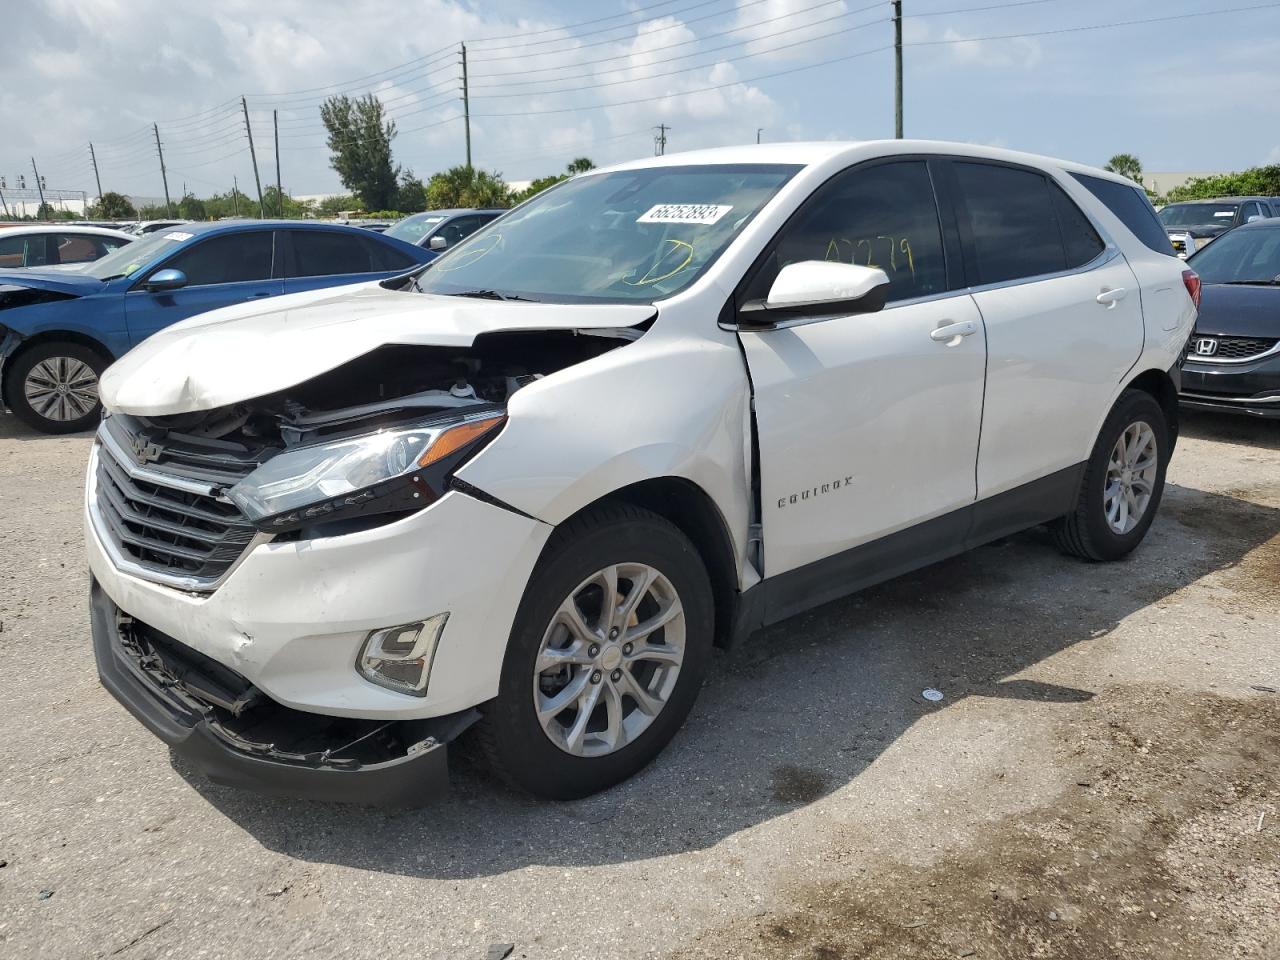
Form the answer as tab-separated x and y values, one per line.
1123	482
625	690
53	387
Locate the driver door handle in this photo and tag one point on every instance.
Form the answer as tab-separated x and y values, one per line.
950	331
1110	297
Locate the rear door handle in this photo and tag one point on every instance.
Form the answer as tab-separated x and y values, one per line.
1109	298
950	331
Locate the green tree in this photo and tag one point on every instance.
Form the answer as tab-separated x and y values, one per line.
411	197
332	206
113	206
360	143
289	209
1256	181
48	212
580	165
464	186
191	207
1127	165
154	211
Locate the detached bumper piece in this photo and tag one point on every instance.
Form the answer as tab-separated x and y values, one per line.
235	735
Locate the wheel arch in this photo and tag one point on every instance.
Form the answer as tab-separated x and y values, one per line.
26	344
1159	384
691	510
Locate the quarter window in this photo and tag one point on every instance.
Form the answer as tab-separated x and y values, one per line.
1014	216
880	216
229	258
1132	208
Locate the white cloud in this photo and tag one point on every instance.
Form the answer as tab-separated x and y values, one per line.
1024	53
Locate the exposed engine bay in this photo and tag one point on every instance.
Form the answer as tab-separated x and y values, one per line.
390	386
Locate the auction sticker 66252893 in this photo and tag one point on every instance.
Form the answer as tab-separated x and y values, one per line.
704	213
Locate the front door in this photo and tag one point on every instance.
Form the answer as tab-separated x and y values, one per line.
868	423
225	269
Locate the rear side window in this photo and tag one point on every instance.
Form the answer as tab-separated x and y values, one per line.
322	253
229	258
1014	216
880	216
1132	208
383	256
13	250
78	248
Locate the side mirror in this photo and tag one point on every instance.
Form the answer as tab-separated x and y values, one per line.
1252	217
819	288
166	280
437	243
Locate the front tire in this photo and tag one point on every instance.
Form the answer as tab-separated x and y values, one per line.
607	654
53	387
1123	482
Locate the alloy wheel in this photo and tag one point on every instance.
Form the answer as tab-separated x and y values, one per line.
1131	477
609	660
61	389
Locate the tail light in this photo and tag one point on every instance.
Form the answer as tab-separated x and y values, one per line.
1192	281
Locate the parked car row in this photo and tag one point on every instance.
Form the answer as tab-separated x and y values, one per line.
1193	224
60	330
648	411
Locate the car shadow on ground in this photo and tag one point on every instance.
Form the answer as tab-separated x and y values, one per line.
11	428
800	709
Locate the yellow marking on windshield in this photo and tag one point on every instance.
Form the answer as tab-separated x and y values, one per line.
647	279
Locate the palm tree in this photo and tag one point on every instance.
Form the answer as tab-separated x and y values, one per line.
1127	165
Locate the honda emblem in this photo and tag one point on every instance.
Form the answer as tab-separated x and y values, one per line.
1206	347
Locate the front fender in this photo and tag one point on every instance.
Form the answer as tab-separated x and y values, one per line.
664	406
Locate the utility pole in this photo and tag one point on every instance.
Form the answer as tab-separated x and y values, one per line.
39	183
897	68
96	178
275	123
660	141
466	103
759	130
168	206
3	202
262	210
235	193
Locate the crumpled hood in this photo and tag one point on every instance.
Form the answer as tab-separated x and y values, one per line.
41	278
251	350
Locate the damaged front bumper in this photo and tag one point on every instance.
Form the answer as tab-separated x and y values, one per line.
235	735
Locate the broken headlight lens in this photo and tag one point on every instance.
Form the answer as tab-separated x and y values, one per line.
305	476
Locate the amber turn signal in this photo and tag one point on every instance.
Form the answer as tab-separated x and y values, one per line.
455	438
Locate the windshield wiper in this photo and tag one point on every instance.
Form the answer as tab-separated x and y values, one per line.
493	295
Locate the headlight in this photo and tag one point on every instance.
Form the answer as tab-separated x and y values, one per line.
1202	242
312	482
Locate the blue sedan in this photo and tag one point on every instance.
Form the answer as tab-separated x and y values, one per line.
60	330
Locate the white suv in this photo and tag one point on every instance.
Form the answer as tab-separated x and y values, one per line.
654	408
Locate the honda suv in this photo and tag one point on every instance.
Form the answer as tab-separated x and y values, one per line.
525	490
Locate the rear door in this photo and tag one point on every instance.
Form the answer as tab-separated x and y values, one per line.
1063	316
221	270
867	423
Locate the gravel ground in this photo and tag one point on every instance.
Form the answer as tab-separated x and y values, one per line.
1100	781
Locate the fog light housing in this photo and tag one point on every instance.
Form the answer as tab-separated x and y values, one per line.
399	658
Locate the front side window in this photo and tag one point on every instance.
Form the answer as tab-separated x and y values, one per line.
1199	214
879	216
324	253
631	236
1014	218
229	258
1241	256
77	248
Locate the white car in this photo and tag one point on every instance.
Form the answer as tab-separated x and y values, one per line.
529	488
47	246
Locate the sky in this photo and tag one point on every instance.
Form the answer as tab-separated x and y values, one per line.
551	80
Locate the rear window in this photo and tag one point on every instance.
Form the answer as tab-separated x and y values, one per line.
1133	209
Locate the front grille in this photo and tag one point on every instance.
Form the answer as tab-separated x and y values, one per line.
168	530
1242	348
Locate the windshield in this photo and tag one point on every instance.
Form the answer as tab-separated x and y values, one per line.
132	257
632	236
1241	256
412	229
1194	214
